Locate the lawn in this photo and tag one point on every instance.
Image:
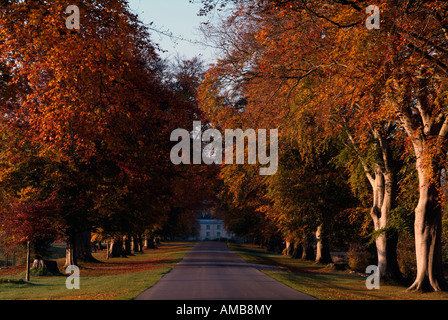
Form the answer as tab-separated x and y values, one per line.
114	279
323	281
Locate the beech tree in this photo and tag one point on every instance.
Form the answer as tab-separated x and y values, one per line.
373	85
413	61
29	206
91	99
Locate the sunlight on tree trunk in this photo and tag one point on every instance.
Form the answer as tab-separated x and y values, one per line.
323	249
428	232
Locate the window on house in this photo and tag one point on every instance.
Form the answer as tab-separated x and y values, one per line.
218	234
218	227
208	234
208	227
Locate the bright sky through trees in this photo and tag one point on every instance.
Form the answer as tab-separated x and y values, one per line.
180	18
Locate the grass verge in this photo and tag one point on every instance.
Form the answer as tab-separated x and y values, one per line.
114	279
323	282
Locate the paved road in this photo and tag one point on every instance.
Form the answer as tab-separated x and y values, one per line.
210	271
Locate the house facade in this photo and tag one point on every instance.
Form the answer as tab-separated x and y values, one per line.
212	229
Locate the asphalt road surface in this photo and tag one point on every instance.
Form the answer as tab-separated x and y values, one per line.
210	271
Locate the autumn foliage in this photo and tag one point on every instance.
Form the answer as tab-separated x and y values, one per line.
362	116
85	119
360	110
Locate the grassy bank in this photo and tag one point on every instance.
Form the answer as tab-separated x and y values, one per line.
323	282
114	279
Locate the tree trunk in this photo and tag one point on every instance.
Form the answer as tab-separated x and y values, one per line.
112	249
127	245
140	243
28	253
428	233
323	249
150	244
384	189
386	242
83	247
49	265
288	248
307	248
393	269
297	250
135	244
427	129
108	251
38	263
379	215
70	256
116	248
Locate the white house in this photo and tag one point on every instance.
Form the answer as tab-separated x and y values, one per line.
212	229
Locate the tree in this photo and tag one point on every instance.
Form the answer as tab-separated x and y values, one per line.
29	206
93	100
413	95
374	85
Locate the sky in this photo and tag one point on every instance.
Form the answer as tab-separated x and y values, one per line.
179	17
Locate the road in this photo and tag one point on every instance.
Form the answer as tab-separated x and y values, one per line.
210	271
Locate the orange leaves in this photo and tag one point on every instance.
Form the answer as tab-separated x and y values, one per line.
70	75
262	35
92	103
